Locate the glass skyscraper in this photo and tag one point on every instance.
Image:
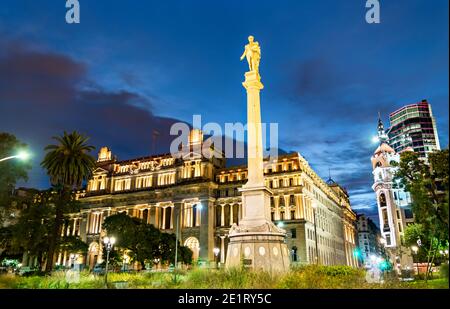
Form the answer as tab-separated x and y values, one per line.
414	126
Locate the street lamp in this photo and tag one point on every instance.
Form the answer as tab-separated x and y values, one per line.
415	249
22	155
199	207
109	243
216	255
314	206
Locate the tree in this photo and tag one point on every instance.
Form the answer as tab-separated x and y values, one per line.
73	244
429	189
11	171
30	234
143	242
69	164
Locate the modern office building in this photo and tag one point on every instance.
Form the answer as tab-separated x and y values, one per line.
414	126
161	189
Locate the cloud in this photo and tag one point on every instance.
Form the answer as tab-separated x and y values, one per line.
43	94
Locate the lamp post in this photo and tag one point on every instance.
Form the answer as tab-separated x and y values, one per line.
314	206
109	243
199	207
23	155
216	255
415	249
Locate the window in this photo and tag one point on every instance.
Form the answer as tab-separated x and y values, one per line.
218	215
382	200
168	217
294	233
292	200
408	213
194	215
227	213
236	213
294	254
280	183
292	214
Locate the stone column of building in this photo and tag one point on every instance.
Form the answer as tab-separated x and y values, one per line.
206	237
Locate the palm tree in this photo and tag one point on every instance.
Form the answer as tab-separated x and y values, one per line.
69	164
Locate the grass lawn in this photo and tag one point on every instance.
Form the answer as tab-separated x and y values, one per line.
308	277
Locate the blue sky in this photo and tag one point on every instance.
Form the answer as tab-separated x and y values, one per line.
133	66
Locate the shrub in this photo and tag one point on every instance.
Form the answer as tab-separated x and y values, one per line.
323	277
443	271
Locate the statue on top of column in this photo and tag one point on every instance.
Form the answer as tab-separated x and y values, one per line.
253	54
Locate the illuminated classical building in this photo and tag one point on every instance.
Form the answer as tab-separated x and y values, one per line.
394	203
158	189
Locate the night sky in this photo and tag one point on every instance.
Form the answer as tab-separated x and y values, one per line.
131	67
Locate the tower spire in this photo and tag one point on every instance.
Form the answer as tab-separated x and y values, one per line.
382	136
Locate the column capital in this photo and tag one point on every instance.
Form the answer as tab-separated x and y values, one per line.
252	81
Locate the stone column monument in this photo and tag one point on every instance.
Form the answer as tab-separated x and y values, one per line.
256	242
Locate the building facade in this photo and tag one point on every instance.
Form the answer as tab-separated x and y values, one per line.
368	238
394	203
414	126
162	189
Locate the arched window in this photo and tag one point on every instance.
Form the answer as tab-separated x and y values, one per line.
193	244
145	215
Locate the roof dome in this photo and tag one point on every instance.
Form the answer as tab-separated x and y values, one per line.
384	148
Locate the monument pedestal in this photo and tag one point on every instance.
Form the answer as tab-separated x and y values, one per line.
257	243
